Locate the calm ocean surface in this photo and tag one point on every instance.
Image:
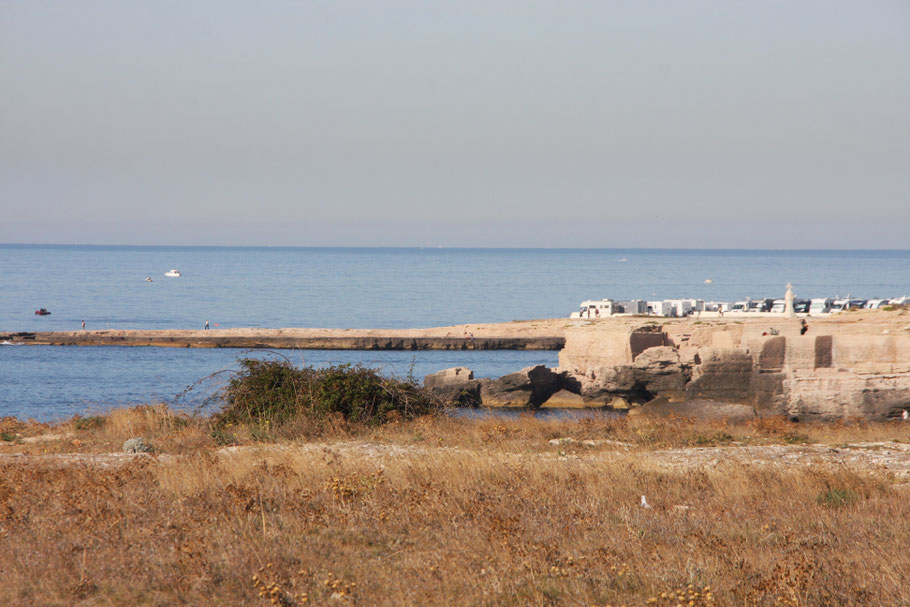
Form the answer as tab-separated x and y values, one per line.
355	288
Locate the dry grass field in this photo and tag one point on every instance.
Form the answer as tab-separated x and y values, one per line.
441	511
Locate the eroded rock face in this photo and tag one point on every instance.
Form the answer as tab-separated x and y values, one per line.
835	371
696	409
654	372
565	400
835	394
448	377
456	386
723	375
530	387
659	371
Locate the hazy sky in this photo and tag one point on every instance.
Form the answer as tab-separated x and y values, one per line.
514	123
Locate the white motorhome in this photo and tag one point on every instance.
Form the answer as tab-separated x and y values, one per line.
662	308
594	309
740	306
685	307
632	306
820	305
718	306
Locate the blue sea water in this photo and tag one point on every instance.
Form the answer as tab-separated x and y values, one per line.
54	382
353	288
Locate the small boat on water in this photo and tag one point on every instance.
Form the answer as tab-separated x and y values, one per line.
149	279
42	312
173	273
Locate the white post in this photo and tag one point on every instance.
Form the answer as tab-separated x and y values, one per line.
788	302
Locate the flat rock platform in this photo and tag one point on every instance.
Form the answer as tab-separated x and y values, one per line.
520	335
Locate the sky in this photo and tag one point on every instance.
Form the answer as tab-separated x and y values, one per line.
520	123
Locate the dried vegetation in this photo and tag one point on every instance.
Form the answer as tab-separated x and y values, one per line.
440	511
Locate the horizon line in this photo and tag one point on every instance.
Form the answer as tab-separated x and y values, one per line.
437	247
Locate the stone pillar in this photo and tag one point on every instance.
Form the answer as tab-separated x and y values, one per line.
788	302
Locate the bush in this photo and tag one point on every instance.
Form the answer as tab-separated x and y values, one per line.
836	498
272	393
88	423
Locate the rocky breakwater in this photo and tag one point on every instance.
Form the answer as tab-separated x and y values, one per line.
521	337
537	387
850	365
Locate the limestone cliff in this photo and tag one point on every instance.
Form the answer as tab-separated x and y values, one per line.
852	365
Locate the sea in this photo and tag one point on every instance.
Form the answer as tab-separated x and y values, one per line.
274	287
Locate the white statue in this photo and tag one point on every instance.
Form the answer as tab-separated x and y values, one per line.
788	302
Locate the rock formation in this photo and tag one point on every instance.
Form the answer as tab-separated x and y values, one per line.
530	387
456	386
839	368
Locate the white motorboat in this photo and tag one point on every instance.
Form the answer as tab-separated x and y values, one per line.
173	273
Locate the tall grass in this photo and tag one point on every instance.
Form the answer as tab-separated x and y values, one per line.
440	511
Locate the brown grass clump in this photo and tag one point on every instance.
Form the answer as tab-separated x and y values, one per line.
453	512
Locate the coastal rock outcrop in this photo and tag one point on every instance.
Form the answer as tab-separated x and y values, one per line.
455	385
655	371
564	399
695	409
840	368
530	387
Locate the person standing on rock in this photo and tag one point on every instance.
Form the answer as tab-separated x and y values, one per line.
803	327
83	325
206	325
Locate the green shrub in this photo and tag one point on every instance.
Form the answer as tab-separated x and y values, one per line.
224	438
269	393
835	498
88	423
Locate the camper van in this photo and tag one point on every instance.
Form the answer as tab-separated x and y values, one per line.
740	306
820	305
594	309
840	305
